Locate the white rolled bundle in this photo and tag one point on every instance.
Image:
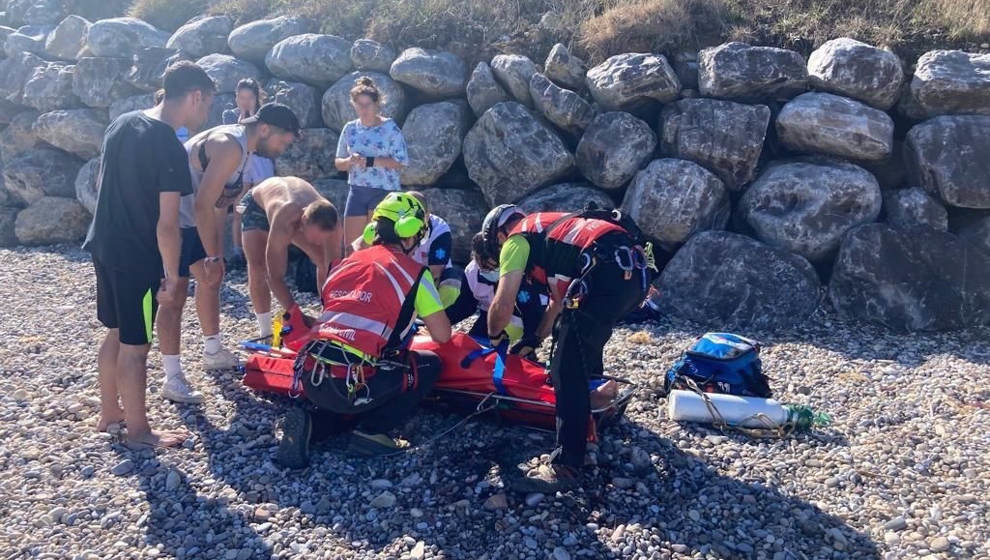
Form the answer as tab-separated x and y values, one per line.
748	412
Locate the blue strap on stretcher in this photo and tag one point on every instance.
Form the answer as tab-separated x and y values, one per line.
500	351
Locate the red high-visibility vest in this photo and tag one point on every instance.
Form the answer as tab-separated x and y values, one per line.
363	296
554	258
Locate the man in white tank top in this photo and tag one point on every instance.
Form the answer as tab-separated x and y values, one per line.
218	159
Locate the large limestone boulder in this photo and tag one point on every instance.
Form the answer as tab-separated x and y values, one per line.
626	80
823	123
122	37
68	38
565	197
483	92
132	103
19	136
252	41
950	157
848	67
87	185
77	131
98	82
514	72
728	281
673	199
564	68
724	137
913	207
41	172
29	38
226	71
202	36
337	109
614	147
8	217
952	82
510	153
372	55
50	87
148	67
978	233
8	110
221	103
35	11
303	99
464	210
311	156
911	279
563	107
14	72
434	73
317	60
806	207
52	220
740	71
433	134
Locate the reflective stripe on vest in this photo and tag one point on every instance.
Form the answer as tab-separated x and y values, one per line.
575	231
363	297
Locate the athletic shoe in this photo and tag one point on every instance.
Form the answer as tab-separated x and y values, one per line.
547	479
222	359
293	450
177	389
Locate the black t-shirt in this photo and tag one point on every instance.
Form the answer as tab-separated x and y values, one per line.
142	157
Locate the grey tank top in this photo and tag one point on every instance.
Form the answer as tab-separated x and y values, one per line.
196	148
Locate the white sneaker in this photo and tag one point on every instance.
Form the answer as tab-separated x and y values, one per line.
177	389
222	359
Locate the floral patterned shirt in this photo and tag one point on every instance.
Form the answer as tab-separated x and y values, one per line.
384	140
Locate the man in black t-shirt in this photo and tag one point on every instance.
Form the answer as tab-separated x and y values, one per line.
135	241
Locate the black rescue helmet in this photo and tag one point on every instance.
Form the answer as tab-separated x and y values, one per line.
495	219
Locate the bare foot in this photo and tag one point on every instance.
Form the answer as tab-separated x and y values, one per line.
604	394
156	438
109	418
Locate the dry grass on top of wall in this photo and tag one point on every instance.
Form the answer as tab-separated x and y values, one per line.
597	29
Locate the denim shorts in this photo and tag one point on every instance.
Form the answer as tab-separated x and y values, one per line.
253	216
362	200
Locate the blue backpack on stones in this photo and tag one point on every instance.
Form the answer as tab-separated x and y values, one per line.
721	363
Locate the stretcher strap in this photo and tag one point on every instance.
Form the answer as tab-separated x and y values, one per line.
501	353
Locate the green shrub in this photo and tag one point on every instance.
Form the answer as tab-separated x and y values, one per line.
167	14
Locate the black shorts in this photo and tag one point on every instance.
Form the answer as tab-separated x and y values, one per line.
362	200
126	300
192	251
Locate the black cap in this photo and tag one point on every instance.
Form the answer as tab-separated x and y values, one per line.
275	114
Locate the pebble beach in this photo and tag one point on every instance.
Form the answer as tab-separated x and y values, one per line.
902	471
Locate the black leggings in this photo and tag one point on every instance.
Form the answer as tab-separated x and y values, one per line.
393	393
580	337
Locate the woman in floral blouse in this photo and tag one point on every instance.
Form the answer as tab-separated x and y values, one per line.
372	151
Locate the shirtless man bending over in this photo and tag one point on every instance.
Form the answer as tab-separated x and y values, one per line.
276	213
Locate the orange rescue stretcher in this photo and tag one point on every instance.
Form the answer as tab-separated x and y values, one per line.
473	377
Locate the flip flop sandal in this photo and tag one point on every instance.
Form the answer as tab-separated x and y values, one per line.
371	445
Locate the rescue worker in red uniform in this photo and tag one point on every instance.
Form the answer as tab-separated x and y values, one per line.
595	269
357	370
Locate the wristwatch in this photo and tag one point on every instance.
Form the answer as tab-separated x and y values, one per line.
369	161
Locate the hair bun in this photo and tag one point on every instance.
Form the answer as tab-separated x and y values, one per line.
365	81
